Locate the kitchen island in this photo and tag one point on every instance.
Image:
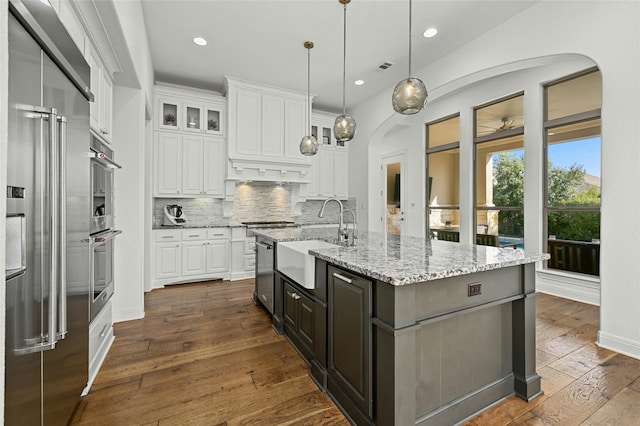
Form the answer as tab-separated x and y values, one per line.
404	330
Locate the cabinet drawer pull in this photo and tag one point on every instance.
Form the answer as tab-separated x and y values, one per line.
218	235
194	236
168	236
342	278
296	296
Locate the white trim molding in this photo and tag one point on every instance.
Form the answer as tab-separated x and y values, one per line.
580	288
619	344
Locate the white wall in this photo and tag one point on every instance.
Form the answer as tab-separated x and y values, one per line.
129	137
131	21
546	33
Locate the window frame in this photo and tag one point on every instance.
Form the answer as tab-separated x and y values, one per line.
435	150
547	126
478	140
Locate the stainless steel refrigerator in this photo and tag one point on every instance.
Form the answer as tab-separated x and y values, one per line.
47	276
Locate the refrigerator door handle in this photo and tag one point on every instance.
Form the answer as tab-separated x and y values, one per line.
62	162
48	338
54	185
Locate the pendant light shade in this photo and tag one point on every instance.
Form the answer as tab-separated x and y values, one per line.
344	128
308	144
410	94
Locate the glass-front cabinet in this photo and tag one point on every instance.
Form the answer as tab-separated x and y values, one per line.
193	118
191	115
170	114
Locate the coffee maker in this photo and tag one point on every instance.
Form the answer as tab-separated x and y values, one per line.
173	215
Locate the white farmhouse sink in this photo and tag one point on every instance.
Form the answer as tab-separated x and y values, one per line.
295	261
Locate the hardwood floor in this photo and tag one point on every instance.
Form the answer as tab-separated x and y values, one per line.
583	384
205	355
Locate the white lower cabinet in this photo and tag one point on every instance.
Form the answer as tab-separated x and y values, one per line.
168	260
242	254
217	256
184	255
194	258
100	340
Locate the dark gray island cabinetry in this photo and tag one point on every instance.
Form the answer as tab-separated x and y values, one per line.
409	331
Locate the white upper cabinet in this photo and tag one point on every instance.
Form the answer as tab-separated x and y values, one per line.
190	111
295	127
266	125
329	173
214	161
189	151
188	165
168	164
101	109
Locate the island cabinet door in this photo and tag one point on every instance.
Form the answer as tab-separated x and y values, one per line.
349	340
299	320
290	311
306	321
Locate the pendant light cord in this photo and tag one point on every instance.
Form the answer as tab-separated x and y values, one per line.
344	59
410	38
309	90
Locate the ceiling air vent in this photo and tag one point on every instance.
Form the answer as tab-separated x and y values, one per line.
383	66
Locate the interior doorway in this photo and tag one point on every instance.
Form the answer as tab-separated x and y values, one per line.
393	194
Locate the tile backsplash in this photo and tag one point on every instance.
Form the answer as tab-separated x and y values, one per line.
253	202
198	211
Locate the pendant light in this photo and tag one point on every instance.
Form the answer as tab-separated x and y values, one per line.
344	127
410	94
308	144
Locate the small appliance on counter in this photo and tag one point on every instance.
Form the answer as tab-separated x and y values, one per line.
173	215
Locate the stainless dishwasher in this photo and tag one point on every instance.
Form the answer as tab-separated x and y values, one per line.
264	273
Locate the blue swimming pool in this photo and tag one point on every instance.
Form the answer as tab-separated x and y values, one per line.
511	240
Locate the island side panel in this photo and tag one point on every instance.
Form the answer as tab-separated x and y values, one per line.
527	381
395	354
443	353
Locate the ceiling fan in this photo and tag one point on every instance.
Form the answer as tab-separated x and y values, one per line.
507	124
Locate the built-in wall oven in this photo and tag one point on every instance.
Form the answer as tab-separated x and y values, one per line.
102	224
101	270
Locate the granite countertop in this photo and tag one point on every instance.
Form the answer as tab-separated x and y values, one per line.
406	260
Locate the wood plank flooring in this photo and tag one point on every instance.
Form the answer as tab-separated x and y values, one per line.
205	355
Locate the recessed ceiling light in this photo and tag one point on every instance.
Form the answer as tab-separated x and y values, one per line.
429	32
200	41
358	82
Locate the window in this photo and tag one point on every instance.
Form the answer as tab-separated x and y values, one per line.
572	173
443	183
499	172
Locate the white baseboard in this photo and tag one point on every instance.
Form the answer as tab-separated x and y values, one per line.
569	286
619	344
242	275
128	314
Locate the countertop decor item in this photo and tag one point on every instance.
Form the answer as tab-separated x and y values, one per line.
345	125
309	144
410	94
